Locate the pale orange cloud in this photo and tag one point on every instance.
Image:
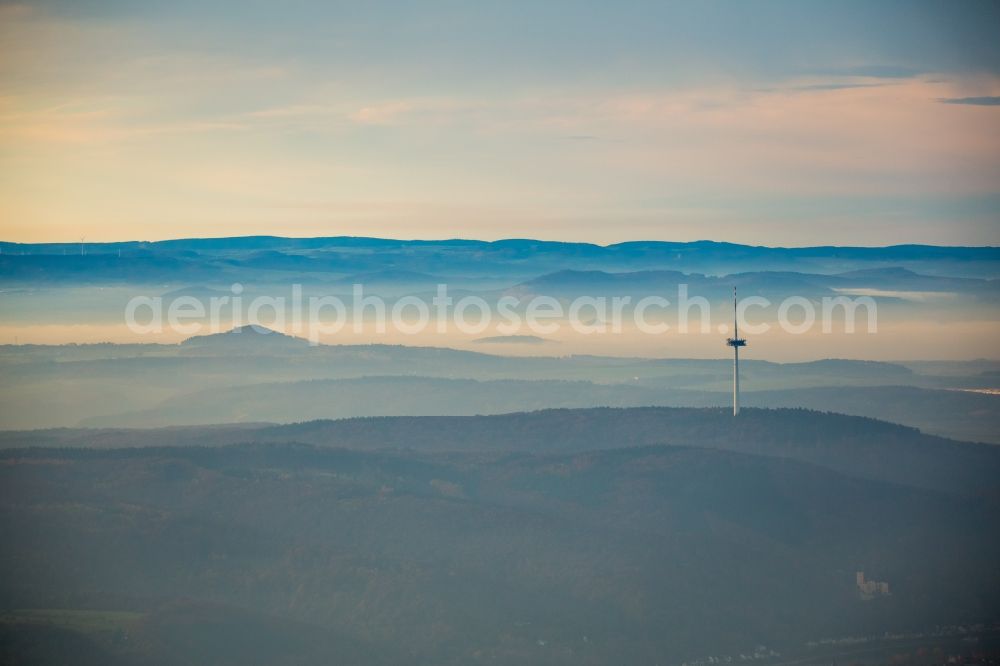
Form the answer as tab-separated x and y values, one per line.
183	143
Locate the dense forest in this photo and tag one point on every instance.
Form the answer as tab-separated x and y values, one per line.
661	536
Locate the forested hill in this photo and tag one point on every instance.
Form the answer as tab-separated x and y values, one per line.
259	554
862	447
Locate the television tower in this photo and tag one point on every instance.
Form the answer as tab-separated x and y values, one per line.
736	342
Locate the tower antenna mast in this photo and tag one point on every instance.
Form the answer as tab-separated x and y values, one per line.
736	342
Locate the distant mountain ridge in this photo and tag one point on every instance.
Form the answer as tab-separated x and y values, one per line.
902	251
256	376
217	258
242	336
958	414
893	278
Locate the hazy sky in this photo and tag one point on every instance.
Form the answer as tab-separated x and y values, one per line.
778	123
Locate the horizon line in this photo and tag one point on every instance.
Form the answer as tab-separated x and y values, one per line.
453	239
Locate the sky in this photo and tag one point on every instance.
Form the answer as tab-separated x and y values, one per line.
771	123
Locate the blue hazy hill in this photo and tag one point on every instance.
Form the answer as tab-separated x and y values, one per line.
269	256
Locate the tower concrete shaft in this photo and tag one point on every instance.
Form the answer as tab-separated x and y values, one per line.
736	342
736	381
